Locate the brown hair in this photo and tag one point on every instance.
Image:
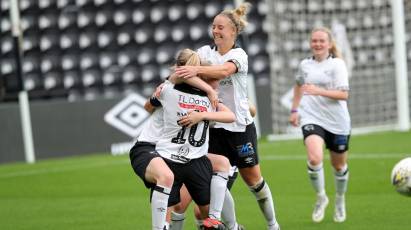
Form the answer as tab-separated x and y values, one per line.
334	51
238	16
188	57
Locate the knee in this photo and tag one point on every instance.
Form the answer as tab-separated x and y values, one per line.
221	164
166	178
314	161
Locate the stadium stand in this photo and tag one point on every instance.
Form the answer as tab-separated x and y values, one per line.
87	49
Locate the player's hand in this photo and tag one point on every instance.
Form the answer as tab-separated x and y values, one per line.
158	90
192	118
213	97
311	89
294	119
186	71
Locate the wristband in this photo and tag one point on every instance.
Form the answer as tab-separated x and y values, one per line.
294	111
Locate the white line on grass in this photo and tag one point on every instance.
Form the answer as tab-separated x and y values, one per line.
61	168
360	156
86	165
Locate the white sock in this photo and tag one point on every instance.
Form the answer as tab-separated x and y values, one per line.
265	201
159	201
177	221
341	180
217	187
228	212
199	224
316	174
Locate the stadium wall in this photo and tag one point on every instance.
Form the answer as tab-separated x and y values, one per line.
60	129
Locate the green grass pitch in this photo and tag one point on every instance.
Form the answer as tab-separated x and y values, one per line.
101	191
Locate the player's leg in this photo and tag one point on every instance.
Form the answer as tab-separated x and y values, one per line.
248	164
314	143
341	175
257	185
156	175
218	144
218	186
178	211
158	172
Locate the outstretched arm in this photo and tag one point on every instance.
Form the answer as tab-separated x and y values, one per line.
200	84
214	71
224	115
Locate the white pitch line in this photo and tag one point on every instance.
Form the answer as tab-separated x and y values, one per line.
359	156
73	167
60	169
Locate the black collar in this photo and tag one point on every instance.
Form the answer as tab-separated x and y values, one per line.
186	88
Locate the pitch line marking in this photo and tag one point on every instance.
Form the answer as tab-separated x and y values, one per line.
86	165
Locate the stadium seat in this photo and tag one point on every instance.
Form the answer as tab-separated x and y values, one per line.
127	56
88	39
49	40
69	61
72	79
212	8
69	39
88	60
158	13
143	33
194	10
180	32
112	76
165	53
48	20
140	15
146	55
91	78
199	31
121	16
176	12
31	63
50	62
131	75
107	59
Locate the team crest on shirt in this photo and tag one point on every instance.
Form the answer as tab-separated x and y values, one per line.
183	151
181	155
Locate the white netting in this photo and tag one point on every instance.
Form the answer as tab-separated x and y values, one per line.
364	32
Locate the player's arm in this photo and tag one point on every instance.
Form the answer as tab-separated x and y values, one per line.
333	94
298	93
214	71
224	115
253	110
199	84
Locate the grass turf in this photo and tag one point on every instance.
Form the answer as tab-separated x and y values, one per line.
101	191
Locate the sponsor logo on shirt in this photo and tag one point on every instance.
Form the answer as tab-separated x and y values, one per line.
187	102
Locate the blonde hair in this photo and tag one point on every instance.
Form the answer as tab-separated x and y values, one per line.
188	57
334	51
238	16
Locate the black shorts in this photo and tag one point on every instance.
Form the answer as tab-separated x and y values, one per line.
196	175
333	142
140	156
239	147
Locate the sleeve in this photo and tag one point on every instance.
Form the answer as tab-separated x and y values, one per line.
299	77
341	75
165	92
239	58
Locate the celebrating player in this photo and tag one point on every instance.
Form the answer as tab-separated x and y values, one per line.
320	100
184	144
237	140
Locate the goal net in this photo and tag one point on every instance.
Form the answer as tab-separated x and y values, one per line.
364	34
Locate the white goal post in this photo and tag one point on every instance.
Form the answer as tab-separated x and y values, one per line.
372	37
